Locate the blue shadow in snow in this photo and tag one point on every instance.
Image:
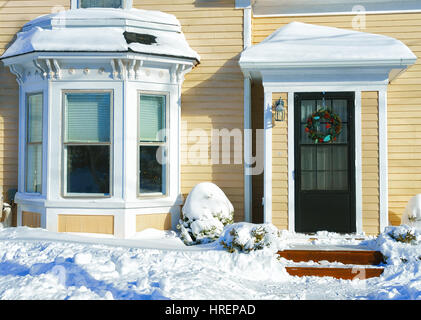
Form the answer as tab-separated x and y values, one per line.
72	275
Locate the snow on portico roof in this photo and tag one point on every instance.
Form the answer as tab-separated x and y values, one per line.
301	44
102	30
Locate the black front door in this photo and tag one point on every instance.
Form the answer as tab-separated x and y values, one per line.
324	162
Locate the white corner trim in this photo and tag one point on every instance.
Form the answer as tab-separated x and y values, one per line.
248	190
291	162
247	28
358	163
267	177
383	161
74	4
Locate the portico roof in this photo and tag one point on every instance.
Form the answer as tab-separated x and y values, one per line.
305	45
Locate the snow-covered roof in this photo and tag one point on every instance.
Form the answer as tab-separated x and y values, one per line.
103	30
301	44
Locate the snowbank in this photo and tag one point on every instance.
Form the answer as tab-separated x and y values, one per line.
205	213
412	213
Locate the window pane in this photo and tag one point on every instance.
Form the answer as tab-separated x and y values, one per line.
340	180
35	118
308	180
151	170
33	167
308	157
324	157
101	3
88	117
152	118
88	169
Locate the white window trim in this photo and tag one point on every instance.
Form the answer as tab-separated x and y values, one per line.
64	144
166	144
75	4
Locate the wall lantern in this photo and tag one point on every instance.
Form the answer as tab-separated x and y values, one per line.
280	110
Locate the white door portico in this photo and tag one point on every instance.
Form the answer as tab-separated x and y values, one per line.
300	58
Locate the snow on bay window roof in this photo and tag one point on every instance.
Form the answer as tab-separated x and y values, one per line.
103	30
301	44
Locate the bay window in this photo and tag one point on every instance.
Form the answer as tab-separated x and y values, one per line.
152	144
87	143
34	143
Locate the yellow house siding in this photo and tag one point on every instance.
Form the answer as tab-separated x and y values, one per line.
13	15
86	223
31	219
212	93
370	162
280	167
403	97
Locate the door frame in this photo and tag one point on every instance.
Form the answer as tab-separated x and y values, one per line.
350	97
271	87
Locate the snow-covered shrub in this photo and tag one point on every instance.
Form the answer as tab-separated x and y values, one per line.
247	237
412	213
206	212
400	244
404	234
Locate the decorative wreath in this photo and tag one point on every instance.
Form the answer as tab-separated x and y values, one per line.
323	126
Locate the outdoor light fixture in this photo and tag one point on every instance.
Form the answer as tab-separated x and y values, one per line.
280	110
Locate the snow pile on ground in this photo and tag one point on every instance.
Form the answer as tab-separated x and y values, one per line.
400	245
412	213
247	237
206	212
38	264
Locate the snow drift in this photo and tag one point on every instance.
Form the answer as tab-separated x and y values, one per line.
412	213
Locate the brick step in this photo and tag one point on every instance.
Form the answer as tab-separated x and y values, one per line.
338	273
354	257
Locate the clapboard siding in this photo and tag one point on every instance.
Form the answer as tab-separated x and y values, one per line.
279	166
13	15
404	101
370	162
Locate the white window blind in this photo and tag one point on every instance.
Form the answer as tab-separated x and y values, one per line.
152	118
88	117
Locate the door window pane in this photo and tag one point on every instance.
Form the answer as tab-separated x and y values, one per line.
101	4
151	170
33	165
88	117
340	180
308	180
88	169
308	157
324	157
